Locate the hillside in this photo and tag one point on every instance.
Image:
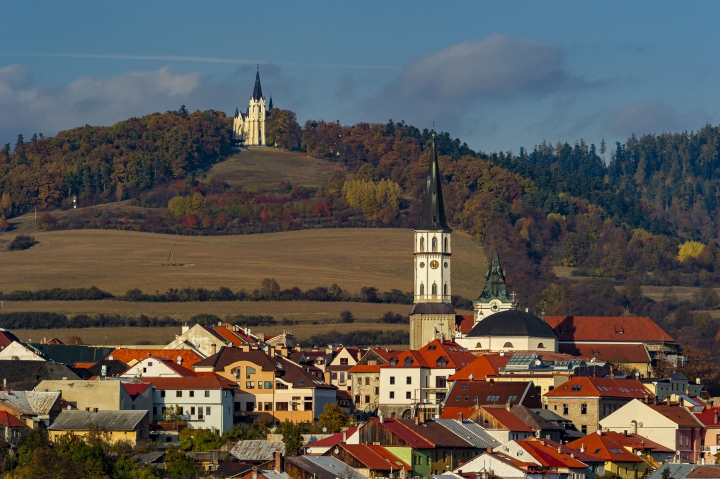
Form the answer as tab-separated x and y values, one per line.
117	261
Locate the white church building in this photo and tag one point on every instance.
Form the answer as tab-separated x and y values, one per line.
249	127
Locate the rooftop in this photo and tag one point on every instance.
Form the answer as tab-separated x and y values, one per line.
607	328
600	387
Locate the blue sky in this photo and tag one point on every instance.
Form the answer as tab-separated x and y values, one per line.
498	75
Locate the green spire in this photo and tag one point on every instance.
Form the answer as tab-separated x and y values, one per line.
494	283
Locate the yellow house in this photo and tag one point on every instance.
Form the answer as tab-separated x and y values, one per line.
132	426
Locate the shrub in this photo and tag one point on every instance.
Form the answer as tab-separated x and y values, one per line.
22	242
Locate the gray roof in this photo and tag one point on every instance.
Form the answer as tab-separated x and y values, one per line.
471	432
71	353
257	450
512	323
432	308
273	474
336	467
26	374
31	403
677	471
433	210
152	457
104	420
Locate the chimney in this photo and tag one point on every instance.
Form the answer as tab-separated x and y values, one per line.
715	416
344	436
508	406
213	348
542	315
489	450
655	400
278	461
417	420
5	384
625	433
95	409
582	447
599	431
559	449
254	472
633	426
668	401
459	473
381	418
460	418
179	360
612	373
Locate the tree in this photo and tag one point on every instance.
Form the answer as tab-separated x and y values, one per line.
291	437
282	129
191	221
183	110
690	249
333	418
77	340
178	465
5	203
20	141
269	288
347	317
4	225
22	242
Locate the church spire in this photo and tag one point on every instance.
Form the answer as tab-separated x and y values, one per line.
257	92
270	106
495	283
433	210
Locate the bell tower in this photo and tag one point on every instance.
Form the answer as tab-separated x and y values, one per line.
432	315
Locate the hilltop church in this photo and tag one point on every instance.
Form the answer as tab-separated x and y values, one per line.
249	127
496	324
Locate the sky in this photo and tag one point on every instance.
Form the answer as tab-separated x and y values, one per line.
497	75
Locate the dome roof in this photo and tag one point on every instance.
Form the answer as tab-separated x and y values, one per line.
512	323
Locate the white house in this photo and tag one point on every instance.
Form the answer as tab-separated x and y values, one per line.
19	351
155	367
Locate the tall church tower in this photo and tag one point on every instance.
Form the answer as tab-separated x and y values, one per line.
249	128
494	297
432	315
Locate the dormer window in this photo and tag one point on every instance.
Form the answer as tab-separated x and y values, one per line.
441	362
408	362
508	345
393	362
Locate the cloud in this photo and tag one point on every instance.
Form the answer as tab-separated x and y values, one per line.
652	117
26	107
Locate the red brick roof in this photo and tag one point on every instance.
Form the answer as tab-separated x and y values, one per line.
636	441
600	387
135	389
376	458
335	439
605	447
607	328
413	439
428	356
507	419
705	472
365	368
677	414
487	393
464	323
8	420
548	454
613	353
435	433
201	382
188	356
707	416
6	338
233	336
487	364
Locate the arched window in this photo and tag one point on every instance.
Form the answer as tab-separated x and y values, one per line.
478	345
422	244
422	289
434	289
446	245
434	244
445	290
508	345
541	346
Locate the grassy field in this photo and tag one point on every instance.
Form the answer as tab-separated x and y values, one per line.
117	261
299	310
260	167
162	336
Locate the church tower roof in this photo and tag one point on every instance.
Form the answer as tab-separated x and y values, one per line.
270	107
494	283
433	210
257	92
236	112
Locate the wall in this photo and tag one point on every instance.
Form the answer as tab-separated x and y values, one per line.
419	459
152	368
102	394
597	410
16	351
220	402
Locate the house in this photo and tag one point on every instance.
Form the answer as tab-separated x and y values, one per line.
132	426
317	358
319	467
604	445
485	365
104	368
338	371
587	400
36	409
709	418
501	423
633	357
465	397
670	425
230	470
676	385
674	470
366	379
17	351
321	446
130	356
158	367
70	354
270	386
400	440
706	472
510	330
204	402
103	393
503	466
257	452
6	338
12	430
206	340
471	432
370	460
414	382
578	335
543	428
560	459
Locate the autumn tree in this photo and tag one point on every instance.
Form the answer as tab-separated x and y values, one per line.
333	418
282	129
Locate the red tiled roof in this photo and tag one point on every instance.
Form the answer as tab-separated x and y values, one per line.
365	368
6	338
188	356
677	414
135	389
455	356
181	370
201	382
236	338
507	419
705	472
613	353
84	365
407	435
335	439
605	447
607	328
464	323
434	433
376	458
637	441
8	420
548	455
486	393
601	387
487	364
566	449
707	416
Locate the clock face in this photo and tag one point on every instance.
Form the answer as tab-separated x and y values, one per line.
494	305
434	264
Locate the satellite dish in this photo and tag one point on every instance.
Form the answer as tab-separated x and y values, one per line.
639	453
592	360
640	424
538	362
324	429
637	374
519	453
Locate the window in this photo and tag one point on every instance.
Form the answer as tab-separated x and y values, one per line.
149	363
441	381
357	399
508	345
154	410
408	362
434	244
268	384
144	370
200	413
441	362
445	289
207	394
434	289
392	379
392	394
343	361
565	409
367	399
583	409
268	406
249	371
192	411
279	385
249	384
207	411
308	405
408	395
408	380
179	410
178	394
446	244
333	376
281	406
478	345
162	394
512	398
377	390
541	346
422	288
191	394
422	245
583	428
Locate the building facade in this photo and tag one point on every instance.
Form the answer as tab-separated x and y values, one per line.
249	127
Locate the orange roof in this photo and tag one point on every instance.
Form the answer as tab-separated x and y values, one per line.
365	368
605	447
200	382
236	338
612	353
487	364
189	357
607	328
600	387
677	414
464	323
507	419
550	454
169	363
456	357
